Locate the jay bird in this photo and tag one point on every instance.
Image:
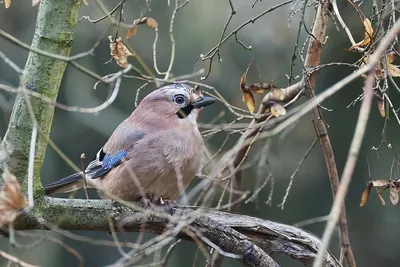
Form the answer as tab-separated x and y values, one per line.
153	154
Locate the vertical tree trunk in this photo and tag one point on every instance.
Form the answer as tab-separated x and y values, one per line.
54	33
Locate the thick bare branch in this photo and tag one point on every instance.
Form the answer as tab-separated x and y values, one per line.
312	60
250	238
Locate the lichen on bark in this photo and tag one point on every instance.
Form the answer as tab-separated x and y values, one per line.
55	29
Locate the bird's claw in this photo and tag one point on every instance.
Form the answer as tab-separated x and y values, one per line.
159	203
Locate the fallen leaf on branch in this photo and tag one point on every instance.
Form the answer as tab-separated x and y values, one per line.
119	52
11	199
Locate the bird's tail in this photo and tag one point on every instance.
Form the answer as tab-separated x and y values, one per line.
65	185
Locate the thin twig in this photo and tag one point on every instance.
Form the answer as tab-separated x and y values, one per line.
282	205
15	260
356	143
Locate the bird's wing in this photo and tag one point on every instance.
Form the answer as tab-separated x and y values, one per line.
103	163
115	150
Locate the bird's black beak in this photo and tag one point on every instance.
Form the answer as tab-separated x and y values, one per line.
203	102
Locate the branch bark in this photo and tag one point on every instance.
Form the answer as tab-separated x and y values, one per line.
252	239
54	33
313	59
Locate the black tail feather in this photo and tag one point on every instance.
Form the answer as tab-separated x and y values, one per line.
67	184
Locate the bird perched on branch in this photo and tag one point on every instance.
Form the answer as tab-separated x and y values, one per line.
153	154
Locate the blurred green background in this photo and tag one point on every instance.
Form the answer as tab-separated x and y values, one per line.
197	29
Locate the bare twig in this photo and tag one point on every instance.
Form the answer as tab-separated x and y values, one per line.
15	260
282	205
357	140
312	60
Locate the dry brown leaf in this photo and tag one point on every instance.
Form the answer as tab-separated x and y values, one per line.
379	183
369	31
394	186
380	73
7	3
259	88
365	194
277	92
119	52
394	195
248	98
152	23
393	70
131	31
278	110
381	106
391	56
382	200
11	199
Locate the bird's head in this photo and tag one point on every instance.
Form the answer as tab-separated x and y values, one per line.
180	100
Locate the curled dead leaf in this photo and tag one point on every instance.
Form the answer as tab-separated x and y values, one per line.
381	106
7	3
152	23
391	56
368	32
393	70
119	52
394	195
259	88
278	93
11	199
278	110
275	108
379	183
247	95
248	98
365	195
131	31
394	186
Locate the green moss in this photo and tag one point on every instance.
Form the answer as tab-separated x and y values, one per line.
43	75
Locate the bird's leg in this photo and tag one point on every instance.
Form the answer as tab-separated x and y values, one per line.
167	204
158	204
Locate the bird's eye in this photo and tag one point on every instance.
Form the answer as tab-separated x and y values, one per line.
179	99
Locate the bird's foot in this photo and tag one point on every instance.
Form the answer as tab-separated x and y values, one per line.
167	205
166	202
159	204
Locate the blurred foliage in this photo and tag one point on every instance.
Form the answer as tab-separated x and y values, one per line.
197	29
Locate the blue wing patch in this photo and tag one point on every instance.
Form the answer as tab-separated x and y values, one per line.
110	161
104	163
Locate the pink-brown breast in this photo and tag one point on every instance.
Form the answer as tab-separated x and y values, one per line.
157	164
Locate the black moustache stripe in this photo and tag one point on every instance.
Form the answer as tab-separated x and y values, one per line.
185	111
